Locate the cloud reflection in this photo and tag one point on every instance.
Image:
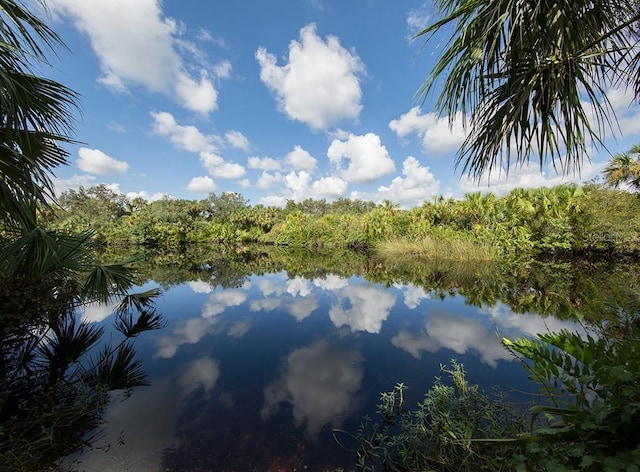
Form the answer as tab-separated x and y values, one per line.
462	334
139	430
193	330
96	312
320	382
367	307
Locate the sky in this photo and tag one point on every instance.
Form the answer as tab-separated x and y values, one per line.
276	100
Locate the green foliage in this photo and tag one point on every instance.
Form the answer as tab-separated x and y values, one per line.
608	222
530	78
592	397
449	430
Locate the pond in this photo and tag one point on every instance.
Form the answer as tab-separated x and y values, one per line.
273	369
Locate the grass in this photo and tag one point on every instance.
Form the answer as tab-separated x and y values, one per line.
452	247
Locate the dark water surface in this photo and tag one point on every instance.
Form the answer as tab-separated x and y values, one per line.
259	376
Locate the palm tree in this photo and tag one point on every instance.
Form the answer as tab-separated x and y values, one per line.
36	113
530	77
624	168
51	394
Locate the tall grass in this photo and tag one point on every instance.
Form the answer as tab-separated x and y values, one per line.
453	247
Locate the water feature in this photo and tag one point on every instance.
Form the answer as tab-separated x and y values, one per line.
263	370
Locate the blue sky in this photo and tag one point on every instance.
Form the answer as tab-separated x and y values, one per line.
277	100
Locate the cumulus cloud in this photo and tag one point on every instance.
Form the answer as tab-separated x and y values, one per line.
300	186
300	159
137	45
265	163
218	167
97	162
324	67
368	158
527	176
73	182
413	296
320	382
267	180
438	135
147	196
202	184
184	137
415	186
191	139
238	140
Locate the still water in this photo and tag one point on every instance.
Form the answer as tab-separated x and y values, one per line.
266	375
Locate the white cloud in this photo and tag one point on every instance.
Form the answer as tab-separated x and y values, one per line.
367	305
196	95
266	304
202	184
217	167
265	163
74	182
187	138
300	159
320	85
299	186
267	180
368	158
223	69
238	140
146	196
527	176
298	286
417	20
438	135
97	162
137	45
417	185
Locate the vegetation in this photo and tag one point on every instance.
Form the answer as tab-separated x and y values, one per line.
624	168
563	220
454	428
530	78
53	384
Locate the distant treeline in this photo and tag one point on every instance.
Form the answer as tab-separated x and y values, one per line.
566	219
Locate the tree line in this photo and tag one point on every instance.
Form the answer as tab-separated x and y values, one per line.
566	219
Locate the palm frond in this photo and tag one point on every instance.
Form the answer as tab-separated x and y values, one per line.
530	78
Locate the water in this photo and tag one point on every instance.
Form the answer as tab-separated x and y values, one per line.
276	373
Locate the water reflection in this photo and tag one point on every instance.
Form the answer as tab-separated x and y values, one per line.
268	368
320	381
362	307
